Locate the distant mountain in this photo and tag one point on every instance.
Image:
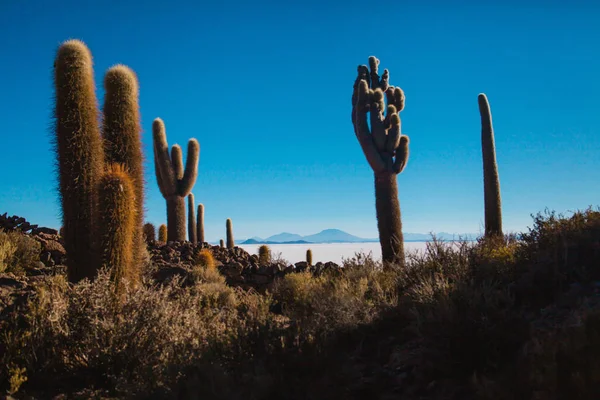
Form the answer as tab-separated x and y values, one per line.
284	237
252	241
332	236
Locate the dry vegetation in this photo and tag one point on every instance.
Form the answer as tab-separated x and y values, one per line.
511	318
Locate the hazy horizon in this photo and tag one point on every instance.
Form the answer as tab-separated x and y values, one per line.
266	88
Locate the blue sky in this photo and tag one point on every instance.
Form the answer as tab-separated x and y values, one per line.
265	87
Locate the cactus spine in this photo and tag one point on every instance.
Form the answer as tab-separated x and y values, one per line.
192	234
309	258
162	233
79	154
385	149
121	132
491	181
230	241
200	223
117	223
174	182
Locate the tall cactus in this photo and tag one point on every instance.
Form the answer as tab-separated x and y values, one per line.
117	223
385	148
121	132
200	223
162	233
174	182
230	241
221	243
491	181
192	234
79	154
309	258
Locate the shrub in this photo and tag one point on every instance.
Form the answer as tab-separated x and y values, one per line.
18	252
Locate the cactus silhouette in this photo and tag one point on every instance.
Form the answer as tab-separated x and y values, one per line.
162	233
221	243
79	154
121	131
491	181
117	224
149	233
192	234
200	223
309	259
385	149
174	182
264	255
230	241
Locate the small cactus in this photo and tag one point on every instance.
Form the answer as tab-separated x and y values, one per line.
309	258
385	149
149	233
200	223
221	243
79	154
204	258
116	225
491	181
162	233
264	255
174	182
192	234
230	241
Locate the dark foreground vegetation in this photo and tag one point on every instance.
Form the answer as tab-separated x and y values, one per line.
504	318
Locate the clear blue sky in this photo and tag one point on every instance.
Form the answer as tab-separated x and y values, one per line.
265	87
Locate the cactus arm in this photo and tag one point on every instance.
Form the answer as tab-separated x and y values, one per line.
402	153
177	161
378	128
191	167
165	175
361	127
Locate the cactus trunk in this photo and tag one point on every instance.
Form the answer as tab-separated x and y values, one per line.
162	233
192	234
200	223
389	221
230	241
176	219
491	181
79	154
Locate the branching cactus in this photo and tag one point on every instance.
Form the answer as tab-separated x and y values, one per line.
117	224
192	233
385	148
121	131
491	181
174	182
230	241
79	154
162	233
200	223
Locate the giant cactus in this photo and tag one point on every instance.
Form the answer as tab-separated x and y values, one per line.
121	132
229	227
200	223
385	148
117	223
79	154
192	233
174	182
491	182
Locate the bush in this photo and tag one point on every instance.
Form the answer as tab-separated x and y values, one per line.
18	252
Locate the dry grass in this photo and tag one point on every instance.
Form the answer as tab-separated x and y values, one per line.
509	318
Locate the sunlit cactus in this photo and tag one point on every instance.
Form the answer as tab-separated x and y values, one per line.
200	223
79	154
309	258
121	132
192	234
230	241
149	233
264	255
378	130
162	233
174	182
491	181
116	225
204	258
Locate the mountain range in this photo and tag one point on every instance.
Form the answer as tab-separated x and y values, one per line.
339	236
